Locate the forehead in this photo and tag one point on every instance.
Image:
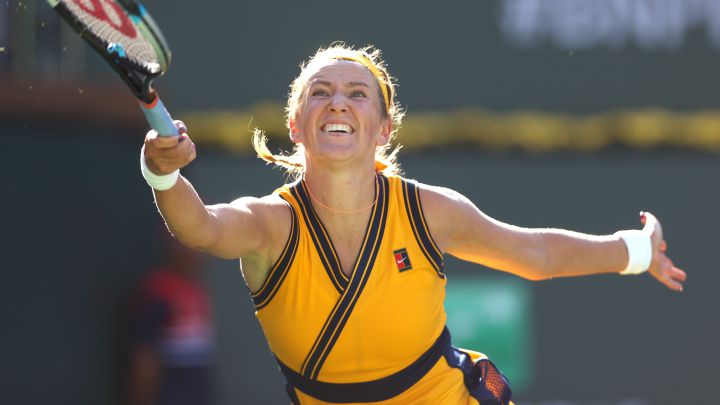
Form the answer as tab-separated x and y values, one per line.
342	71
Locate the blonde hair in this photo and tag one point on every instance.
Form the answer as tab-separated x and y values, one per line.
386	155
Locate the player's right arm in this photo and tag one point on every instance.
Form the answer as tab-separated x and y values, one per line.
228	231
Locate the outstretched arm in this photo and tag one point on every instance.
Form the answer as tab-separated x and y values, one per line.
224	230
464	231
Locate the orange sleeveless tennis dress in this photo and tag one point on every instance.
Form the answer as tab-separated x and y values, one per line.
378	335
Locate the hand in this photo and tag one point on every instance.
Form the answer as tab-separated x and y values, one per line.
165	154
661	267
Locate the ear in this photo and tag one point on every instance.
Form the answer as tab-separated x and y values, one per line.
295	136
385	131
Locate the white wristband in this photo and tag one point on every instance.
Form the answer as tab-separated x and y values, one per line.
157	182
639	250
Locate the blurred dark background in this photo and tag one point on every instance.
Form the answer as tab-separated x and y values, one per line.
81	230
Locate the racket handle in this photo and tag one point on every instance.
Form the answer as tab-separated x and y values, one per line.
159	118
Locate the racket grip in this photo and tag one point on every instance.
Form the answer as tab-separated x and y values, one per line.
159	118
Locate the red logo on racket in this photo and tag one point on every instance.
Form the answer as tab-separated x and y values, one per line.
100	9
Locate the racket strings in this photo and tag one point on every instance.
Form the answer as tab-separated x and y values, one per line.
111	28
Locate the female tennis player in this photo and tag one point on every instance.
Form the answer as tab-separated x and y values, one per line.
345	264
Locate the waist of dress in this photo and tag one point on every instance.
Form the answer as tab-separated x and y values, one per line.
375	390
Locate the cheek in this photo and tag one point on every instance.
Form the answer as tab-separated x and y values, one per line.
369	111
304	115
310	108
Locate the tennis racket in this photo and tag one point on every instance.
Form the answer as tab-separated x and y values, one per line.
127	37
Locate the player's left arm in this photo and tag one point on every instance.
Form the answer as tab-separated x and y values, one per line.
462	230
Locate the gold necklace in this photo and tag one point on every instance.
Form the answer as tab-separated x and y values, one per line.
344	212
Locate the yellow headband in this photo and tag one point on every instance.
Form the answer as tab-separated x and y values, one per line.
365	61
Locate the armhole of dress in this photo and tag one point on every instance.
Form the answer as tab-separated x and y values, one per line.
280	269
413	207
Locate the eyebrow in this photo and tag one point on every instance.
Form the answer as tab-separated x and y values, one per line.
349	84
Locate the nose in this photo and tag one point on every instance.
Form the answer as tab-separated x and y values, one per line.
338	103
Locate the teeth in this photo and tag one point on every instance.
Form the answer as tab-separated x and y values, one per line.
338	128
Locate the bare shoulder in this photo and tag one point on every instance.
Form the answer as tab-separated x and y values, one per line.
276	212
273	220
272	215
437	196
444	210
266	205
248	226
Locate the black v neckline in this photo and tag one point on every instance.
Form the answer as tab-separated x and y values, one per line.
322	240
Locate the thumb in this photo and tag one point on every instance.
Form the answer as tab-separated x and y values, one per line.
652	227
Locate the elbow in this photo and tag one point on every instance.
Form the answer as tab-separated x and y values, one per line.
208	246
199	235
199	246
535	275
209	249
194	242
540	267
531	273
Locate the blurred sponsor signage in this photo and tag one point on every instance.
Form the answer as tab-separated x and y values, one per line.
614	24
493	316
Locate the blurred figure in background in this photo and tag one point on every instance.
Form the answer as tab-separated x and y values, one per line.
171	334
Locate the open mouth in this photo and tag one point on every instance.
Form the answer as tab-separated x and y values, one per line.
338	128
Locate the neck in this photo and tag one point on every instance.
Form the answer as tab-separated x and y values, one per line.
341	192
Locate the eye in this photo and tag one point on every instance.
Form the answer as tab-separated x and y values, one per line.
319	93
358	93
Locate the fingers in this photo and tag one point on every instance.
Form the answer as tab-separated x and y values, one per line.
165	154
170	148
679	276
672	284
180	126
167	141
676	273
662	268
671	276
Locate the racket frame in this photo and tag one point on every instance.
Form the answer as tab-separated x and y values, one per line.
139	78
